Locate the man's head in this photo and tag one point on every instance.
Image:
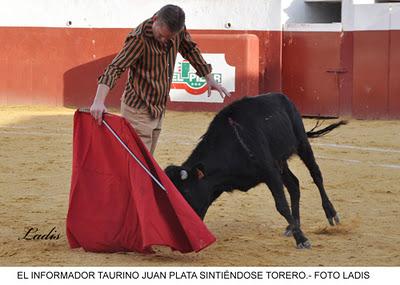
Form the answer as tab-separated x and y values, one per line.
167	22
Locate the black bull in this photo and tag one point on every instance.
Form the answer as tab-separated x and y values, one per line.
249	142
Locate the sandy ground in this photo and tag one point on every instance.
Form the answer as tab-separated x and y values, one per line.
360	163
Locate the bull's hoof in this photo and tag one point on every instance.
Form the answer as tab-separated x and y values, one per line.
334	220
288	231
304	245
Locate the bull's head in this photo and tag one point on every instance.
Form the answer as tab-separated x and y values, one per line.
192	185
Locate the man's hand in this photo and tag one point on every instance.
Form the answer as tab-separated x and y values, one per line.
98	108
212	85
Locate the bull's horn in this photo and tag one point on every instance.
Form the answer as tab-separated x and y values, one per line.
184	175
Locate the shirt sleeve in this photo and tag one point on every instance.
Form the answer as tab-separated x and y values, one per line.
189	50
132	50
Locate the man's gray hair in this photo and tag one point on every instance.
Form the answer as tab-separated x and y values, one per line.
172	16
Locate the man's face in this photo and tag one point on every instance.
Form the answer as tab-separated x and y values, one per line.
161	32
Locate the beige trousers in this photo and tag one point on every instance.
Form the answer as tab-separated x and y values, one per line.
146	126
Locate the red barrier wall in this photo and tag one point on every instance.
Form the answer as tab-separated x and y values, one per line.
35	60
60	66
346	78
312	71
371	74
394	75
350	73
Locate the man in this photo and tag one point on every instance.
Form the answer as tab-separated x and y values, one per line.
149	53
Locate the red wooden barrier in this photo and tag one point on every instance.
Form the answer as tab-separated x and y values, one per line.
394	76
371	74
312	71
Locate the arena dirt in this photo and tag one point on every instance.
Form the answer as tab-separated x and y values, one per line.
360	163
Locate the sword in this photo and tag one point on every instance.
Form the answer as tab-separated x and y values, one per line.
129	151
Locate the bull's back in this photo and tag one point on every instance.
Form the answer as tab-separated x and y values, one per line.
266	104
269	122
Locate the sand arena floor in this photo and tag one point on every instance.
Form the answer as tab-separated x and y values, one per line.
360	163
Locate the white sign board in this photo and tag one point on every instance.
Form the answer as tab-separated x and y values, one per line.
188	87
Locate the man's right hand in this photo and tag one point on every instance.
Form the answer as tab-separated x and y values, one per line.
98	108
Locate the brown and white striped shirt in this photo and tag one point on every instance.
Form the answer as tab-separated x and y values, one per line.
151	67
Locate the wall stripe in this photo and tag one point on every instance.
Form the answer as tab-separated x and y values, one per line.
200	14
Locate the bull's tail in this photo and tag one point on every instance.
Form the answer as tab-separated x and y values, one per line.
318	133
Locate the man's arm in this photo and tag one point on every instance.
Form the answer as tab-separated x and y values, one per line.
131	51
189	50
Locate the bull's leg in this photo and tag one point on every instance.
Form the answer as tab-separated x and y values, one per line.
306	154
292	184
275	184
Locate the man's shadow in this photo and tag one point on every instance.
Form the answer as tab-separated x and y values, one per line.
80	84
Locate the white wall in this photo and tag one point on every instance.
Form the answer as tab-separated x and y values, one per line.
357	15
366	15
347	15
371	17
356	2
395	17
200	14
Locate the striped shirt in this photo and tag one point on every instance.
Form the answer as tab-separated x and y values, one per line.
151	67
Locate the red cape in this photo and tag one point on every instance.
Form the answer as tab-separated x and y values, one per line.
114	205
